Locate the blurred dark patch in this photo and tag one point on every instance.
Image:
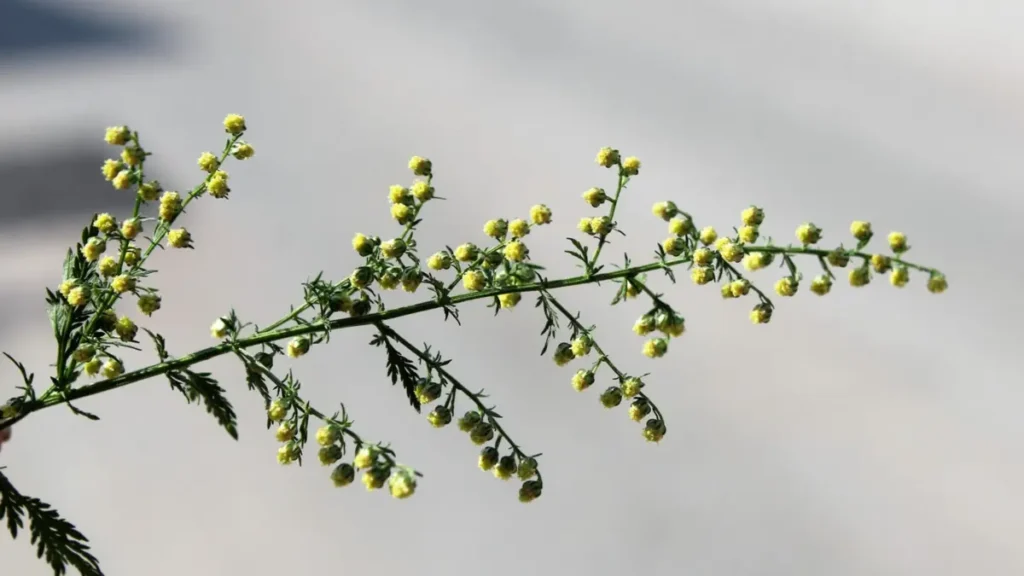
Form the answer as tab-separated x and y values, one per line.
65	181
44	28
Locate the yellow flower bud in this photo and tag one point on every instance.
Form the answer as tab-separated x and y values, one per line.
420	166
761	314
821	285
655	348
105	223
937	283
399	195
234	124
327	435
861	230
654	430
208	162
402	213
674	246
467	252
474	281
595	197
808	234
748	234
506	468
881	263
488	458
731	252
631	166
897	242
582	380
752	216
607	157
899	277
702	275
297	347
509	300
540	214
112	368
786	286
179	238
665	210
516	251
117	135
422	191
680	226
123	283
518	228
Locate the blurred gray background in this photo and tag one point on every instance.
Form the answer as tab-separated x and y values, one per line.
871	432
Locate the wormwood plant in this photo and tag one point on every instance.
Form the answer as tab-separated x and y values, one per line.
111	264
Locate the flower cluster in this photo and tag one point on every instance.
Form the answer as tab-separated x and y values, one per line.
110	263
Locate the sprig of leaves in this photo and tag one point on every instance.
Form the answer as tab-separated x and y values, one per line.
399	366
55	539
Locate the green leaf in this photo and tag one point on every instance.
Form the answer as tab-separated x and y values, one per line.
399	367
197	386
55	539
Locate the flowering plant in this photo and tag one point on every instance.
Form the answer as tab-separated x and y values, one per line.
112	264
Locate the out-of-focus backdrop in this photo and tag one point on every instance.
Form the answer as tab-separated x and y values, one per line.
875	431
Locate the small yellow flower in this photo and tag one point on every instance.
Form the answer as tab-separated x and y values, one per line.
748	234
234	124
582	345
607	157
509	300
675	327
527	468
899	277
708	236
631	166
937	283
362	244
111	168
808	234
488	458
611	397
860	277
343	475
739	288
66	286
422	191
132	256
242	150
516	251
122	283
821	285
680	226
78	296
420	166
518	228
601	225
83	354
107	266
132	156
393	248
761	314
880	263
439	261
149	303
287	454
466	252
752	216
327	435
208	162
131	228
665	210
126	329
105	223
439	417
149	191
179	238
218	185
838	258
786	286
638	409
861	230
277	411
654	430
123	180
117	135
92	367
297	347
731	252
365	458
674	245
170	206
756	261
897	242
402	213
702	275
474	281
540	214
399	195
703	257
506	468
644	325
496	228
655	348
582	380
631	387
112	368
595	197
411	279
584	225
390	279
468	421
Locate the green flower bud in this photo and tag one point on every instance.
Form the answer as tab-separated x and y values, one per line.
440	417
527	469
611	397
329	454
638	409
631	387
343	474
488	458
361	277
427	392
506	468
838	258
482	433
654	430
530	491
375	477
582	380
469	421
563	354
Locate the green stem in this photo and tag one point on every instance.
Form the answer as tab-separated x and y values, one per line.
611	216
